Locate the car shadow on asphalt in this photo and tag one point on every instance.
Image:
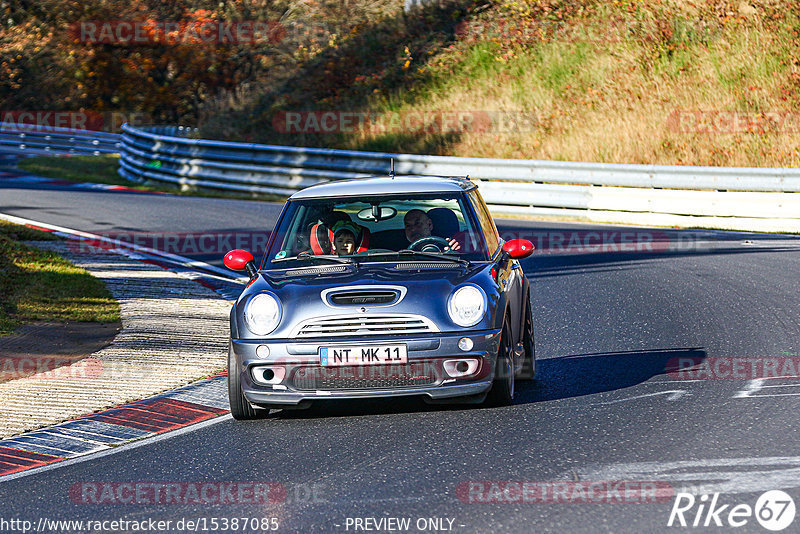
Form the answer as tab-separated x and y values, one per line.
557	378
577	375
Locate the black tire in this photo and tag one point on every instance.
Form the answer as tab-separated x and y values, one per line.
502	392
241	409
528	371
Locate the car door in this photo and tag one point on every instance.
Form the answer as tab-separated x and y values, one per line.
509	271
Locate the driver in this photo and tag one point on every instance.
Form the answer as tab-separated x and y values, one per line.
419	225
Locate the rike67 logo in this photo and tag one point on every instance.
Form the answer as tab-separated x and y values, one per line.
774	510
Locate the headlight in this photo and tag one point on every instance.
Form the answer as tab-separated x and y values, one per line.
262	314
467	305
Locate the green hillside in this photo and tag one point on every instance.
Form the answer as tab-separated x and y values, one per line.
657	81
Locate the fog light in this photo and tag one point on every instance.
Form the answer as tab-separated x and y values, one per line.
268	375
460	368
262	351
465	344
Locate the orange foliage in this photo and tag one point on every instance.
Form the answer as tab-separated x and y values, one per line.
46	65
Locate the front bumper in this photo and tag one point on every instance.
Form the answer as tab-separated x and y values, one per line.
305	380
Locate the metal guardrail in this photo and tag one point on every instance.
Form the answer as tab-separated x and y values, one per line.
33	139
717	197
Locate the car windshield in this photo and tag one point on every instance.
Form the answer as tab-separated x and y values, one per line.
437	226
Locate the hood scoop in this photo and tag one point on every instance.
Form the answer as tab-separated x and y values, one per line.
367	296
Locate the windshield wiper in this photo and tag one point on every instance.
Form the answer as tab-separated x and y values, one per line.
307	256
409	252
436	255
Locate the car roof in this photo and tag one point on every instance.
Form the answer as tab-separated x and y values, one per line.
386	185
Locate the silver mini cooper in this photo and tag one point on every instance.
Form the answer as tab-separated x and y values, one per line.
381	287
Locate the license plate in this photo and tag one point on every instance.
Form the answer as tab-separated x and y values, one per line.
363	355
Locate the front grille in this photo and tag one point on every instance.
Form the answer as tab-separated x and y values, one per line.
365	325
363	298
364	377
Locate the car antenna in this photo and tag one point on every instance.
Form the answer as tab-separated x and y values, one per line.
391	169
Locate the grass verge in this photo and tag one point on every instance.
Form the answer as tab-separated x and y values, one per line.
37	285
96	169
103	170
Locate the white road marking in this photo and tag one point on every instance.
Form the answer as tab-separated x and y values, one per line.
673	382
672	395
705	476
755	388
752	386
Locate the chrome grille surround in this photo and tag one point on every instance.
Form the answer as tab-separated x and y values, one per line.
362	324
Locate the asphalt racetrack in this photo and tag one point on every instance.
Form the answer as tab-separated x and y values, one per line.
613	430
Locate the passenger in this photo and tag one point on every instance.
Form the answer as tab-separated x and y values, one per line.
418	225
344	238
320	237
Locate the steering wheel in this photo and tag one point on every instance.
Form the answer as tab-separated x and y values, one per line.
430	244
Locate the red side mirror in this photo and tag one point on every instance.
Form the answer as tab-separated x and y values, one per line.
518	248
237	260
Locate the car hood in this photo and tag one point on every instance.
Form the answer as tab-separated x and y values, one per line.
425	292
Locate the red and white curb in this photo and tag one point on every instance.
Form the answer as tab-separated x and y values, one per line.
101	431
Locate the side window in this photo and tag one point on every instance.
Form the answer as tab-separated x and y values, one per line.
486	222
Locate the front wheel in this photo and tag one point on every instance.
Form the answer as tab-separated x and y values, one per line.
502	392
241	409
